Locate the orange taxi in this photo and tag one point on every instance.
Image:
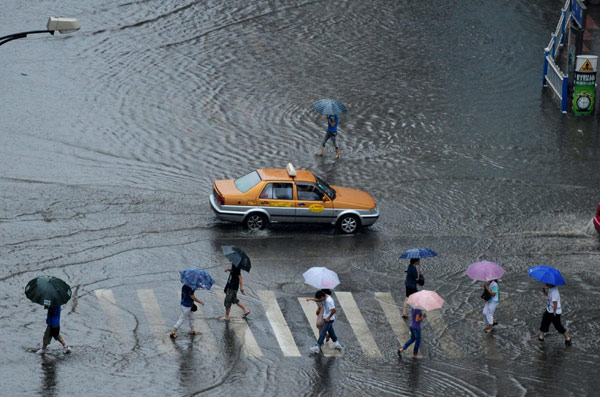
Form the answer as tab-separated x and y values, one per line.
291	196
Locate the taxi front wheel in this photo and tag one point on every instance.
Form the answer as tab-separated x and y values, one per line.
349	224
255	221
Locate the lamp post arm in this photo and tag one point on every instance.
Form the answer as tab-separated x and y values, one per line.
14	36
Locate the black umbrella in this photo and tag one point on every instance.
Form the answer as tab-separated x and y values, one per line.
237	257
48	291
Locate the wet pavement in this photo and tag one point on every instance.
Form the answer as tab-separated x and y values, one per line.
111	138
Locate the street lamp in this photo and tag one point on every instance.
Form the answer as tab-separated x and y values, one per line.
63	25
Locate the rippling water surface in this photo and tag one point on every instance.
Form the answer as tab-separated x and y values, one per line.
111	138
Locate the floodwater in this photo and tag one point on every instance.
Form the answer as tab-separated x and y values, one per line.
111	138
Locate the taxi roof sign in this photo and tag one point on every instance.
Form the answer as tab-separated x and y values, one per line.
290	170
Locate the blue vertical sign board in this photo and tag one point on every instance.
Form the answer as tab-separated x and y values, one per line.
578	12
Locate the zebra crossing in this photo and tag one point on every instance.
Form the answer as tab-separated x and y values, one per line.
159	329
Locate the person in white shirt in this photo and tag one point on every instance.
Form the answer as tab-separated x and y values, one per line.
491	304
552	314
328	317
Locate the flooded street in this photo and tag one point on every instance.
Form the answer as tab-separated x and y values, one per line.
112	137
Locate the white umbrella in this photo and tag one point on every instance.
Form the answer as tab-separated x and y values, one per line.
321	277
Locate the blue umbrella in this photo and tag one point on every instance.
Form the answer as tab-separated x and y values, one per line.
418	253
546	274
196	278
329	106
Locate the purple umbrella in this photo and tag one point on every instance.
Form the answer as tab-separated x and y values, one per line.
485	271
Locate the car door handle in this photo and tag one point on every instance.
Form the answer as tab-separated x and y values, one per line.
301	204
264	202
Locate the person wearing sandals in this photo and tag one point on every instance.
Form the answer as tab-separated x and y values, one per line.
552	314
415	333
491	304
187	302
413	277
234	282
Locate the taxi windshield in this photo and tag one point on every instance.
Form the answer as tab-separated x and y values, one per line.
247	181
329	191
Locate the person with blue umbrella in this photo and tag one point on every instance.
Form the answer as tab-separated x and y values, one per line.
552	278
192	279
413	273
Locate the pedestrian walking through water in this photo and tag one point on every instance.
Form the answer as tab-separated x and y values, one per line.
319	299
328	318
552	314
413	277
53	330
491	303
234	282
332	127
415	332
187	303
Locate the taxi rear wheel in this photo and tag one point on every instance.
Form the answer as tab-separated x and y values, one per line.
349	224
255	221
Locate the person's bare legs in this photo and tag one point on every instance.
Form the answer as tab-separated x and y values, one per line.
246	311
226	316
337	153
320	152
404	308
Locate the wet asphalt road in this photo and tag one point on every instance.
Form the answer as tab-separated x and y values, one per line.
111	138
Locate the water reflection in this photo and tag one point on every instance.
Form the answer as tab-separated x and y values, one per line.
413	374
187	367
49	384
324	379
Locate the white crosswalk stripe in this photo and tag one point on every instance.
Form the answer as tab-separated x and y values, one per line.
279	325
155	321
309	309
394	316
358	324
243	333
206	339
111	311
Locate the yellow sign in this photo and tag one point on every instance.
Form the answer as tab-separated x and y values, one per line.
586	67
280	204
316	208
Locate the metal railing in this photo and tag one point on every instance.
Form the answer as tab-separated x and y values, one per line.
559	83
553	76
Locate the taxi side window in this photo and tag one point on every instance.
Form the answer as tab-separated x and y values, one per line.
278	191
309	192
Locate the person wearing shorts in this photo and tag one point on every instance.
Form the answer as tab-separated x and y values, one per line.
413	277
234	282
53	330
332	125
552	315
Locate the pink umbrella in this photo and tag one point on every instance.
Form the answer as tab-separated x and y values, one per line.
485	271
425	300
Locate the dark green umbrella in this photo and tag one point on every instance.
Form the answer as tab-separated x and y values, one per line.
48	291
237	257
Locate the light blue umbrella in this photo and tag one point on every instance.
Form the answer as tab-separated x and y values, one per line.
196	278
546	274
417	253
329	107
